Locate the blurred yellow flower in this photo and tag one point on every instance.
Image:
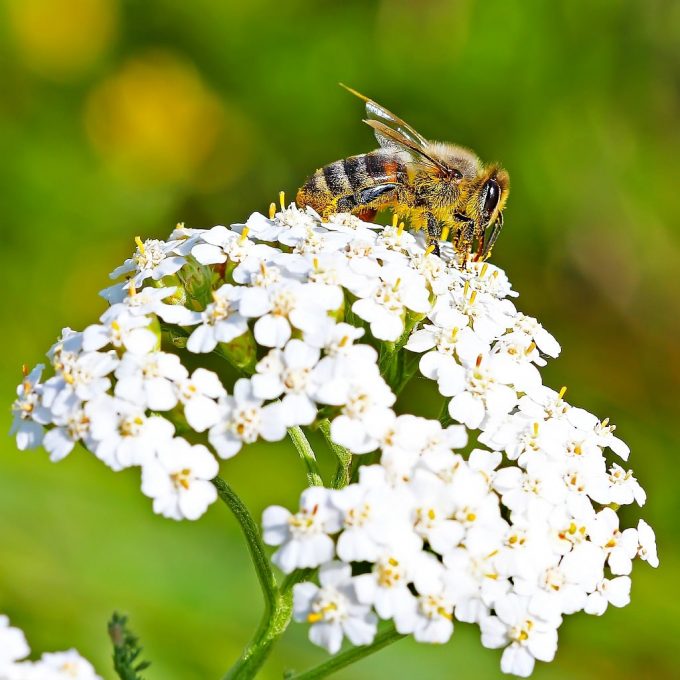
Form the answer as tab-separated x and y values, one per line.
154	120
61	39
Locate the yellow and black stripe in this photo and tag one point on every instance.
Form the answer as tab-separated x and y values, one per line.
350	184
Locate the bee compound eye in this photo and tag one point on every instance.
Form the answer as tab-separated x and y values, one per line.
492	196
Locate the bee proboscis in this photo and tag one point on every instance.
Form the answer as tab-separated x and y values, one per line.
437	186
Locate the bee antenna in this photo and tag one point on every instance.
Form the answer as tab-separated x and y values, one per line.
354	92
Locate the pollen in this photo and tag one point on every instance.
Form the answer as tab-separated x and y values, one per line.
485	268
244	235
563	391
429	249
445	233
400	231
140	245
272	210
395	220
282	199
530	348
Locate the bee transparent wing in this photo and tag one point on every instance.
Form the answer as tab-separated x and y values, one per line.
380	114
394	140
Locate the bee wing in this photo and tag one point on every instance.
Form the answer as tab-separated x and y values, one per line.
378	113
394	140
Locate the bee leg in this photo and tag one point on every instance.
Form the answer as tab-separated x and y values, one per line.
434	232
345	204
495	231
465	237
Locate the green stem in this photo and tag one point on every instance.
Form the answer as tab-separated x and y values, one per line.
343	472
251	532
336	663
444	418
306	454
278	604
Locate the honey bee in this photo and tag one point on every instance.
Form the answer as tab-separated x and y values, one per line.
437	186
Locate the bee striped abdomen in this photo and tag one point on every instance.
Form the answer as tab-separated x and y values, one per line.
347	184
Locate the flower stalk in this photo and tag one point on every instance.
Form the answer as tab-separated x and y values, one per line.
350	656
307	455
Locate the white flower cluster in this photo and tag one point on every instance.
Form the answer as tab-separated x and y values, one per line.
513	534
51	666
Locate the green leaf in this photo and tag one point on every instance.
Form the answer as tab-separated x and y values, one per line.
126	650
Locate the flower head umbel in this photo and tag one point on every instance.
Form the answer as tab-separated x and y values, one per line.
501	512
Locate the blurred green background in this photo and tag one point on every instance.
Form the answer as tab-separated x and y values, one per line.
120	118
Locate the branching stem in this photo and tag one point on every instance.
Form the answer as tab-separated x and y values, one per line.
339	661
306	454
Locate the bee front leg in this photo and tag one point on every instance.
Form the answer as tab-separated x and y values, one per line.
491	240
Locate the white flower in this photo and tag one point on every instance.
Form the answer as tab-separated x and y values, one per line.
544	404
473	574
647	544
487	278
71	428
374	514
219	322
433	511
366	401
288	372
343	366
620	546
285	306
386	587
13	645
429	616
621	488
385	304
149	300
150	380
562	588
260	228
604	432
120	329
122	434
303	537
488	316
333	609
533	492
178	480
198	394
83	378
614	591
29	416
152	259
67	665
243	419
450	336
528	637
545	342
480	391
